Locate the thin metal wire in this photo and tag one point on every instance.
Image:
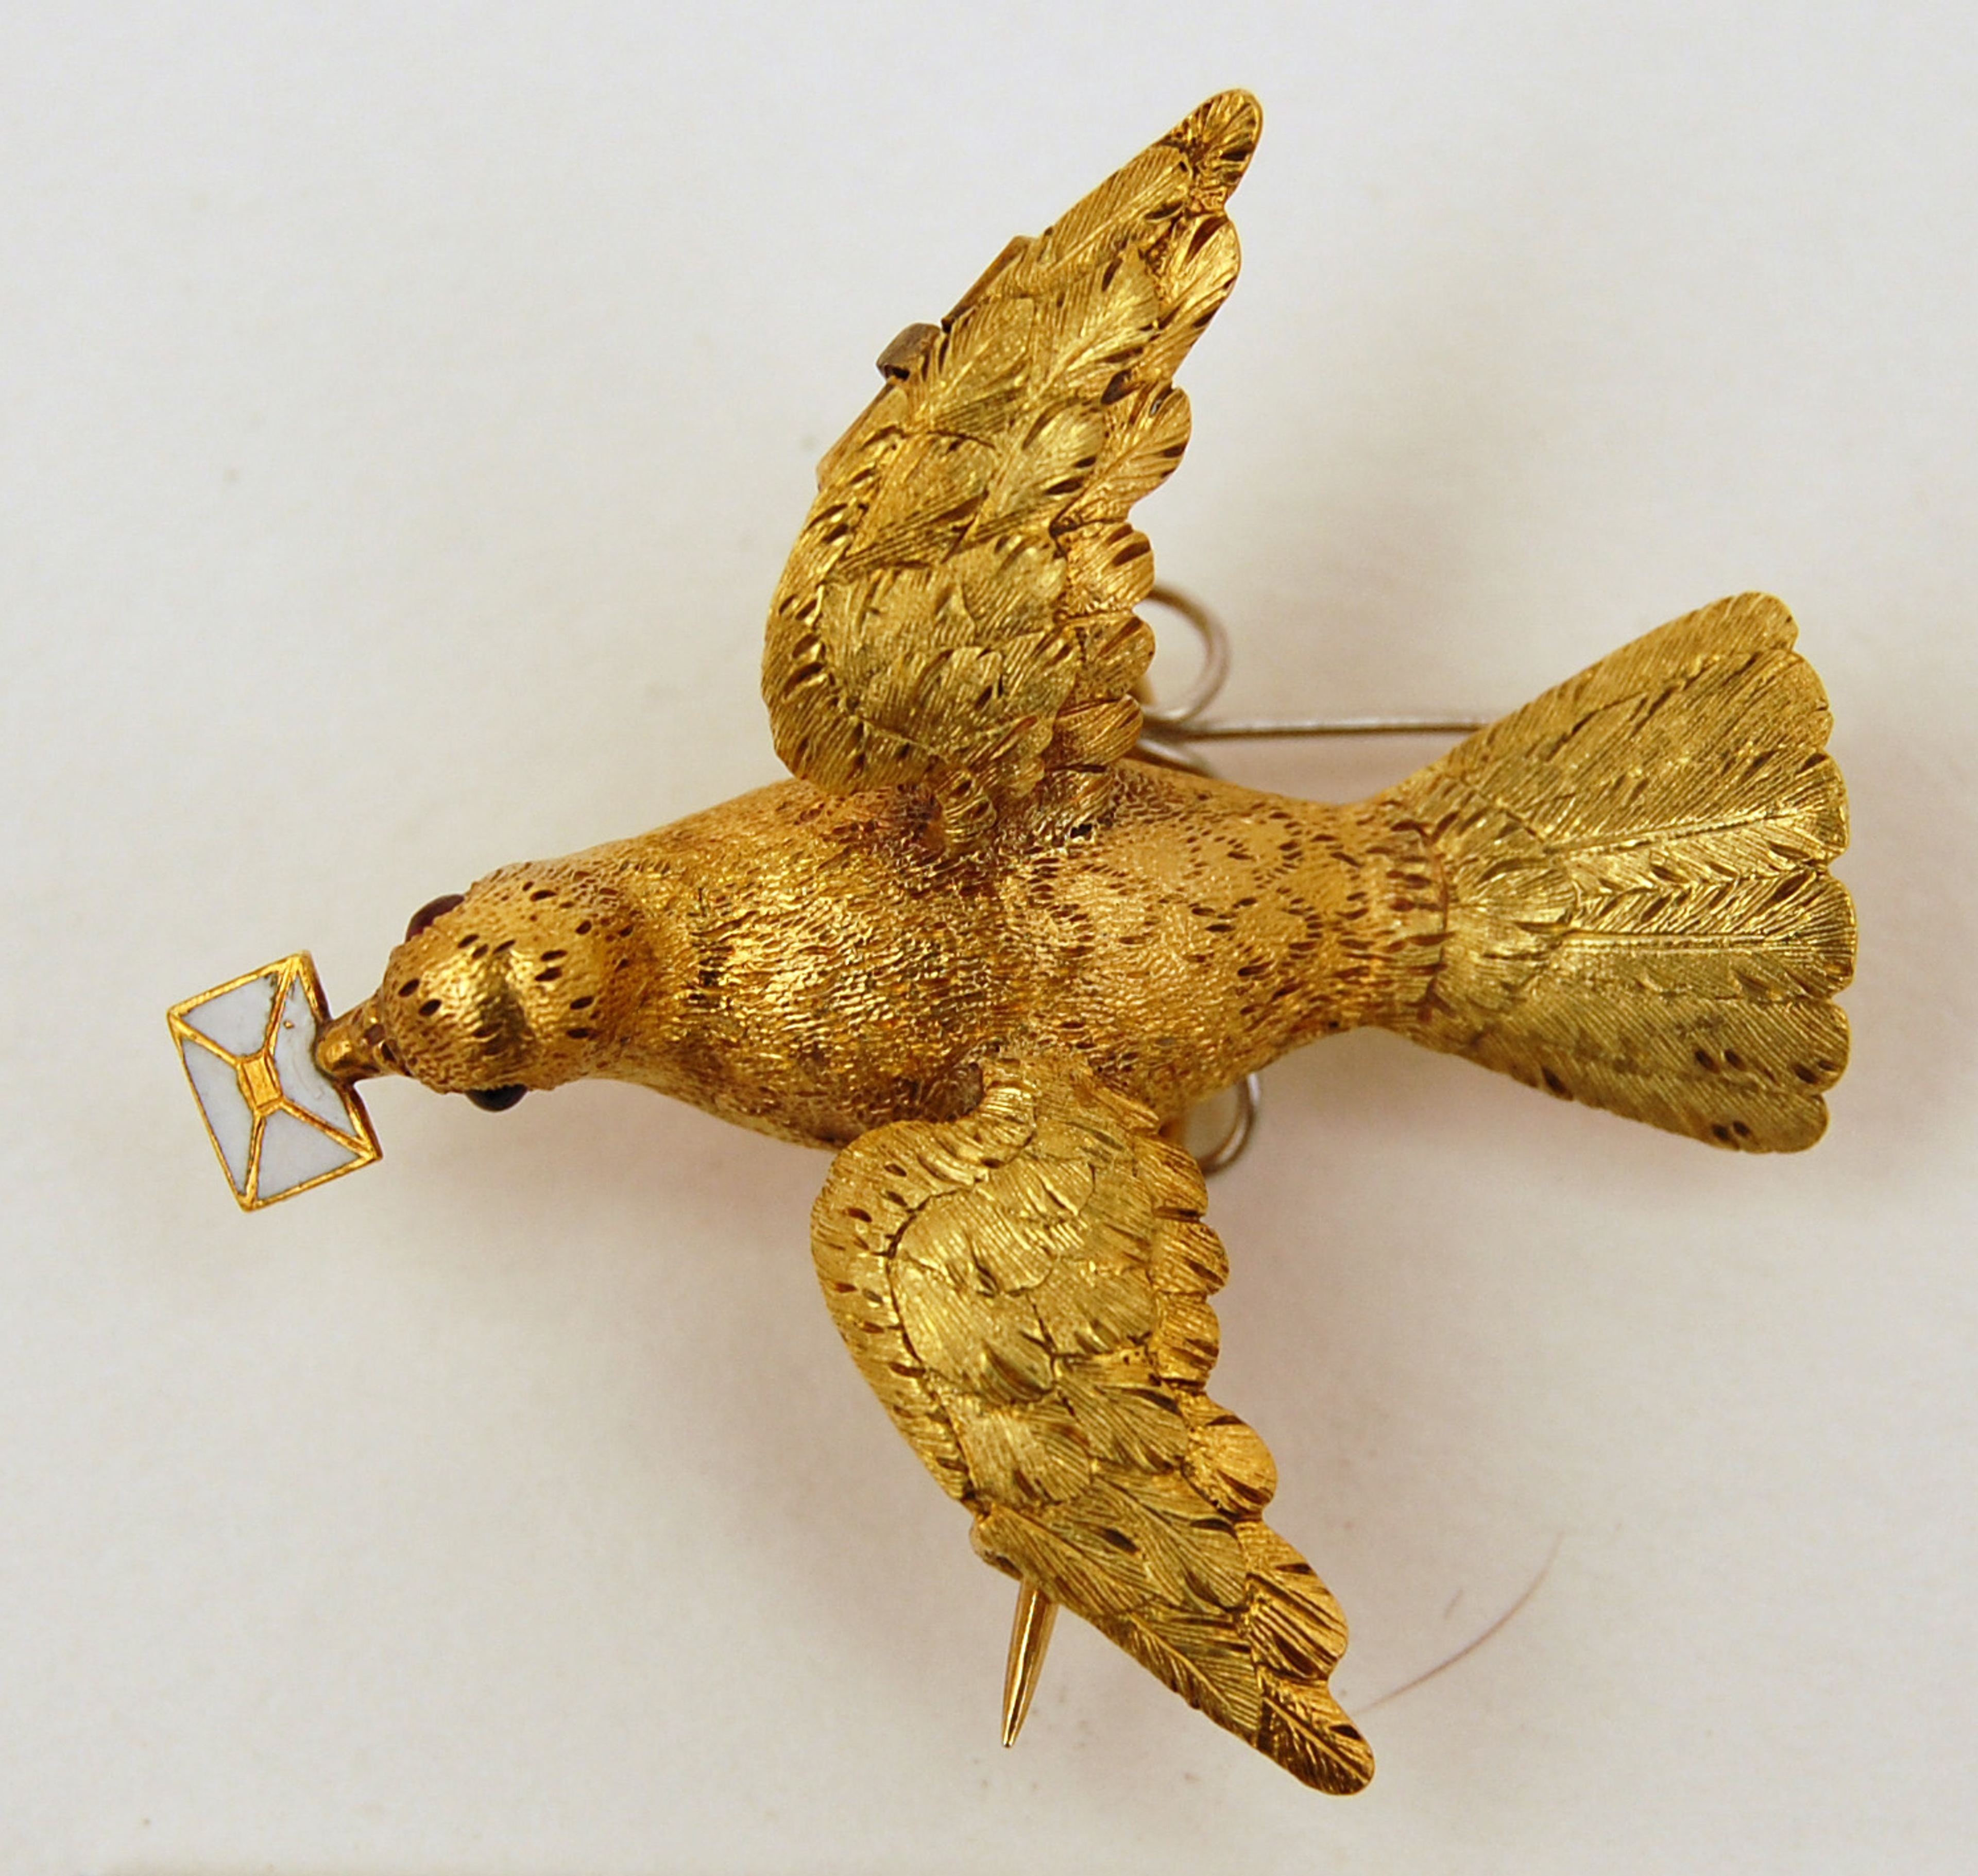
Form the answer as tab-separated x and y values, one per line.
1231	729
1235	1140
1168	735
1215	672
1184	722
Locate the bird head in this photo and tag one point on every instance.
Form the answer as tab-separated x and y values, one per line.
519	983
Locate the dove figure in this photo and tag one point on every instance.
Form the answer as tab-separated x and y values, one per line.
983	953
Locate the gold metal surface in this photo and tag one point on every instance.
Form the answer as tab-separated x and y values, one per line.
1027	1290
986	955
1030	1637
260	1087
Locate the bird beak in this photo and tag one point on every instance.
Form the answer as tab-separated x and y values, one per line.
351	1048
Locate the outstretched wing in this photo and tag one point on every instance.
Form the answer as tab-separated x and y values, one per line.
1027	1290
958	609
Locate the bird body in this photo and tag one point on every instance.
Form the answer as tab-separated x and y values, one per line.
815	965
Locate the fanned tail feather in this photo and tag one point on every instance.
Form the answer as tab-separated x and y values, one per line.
1638	913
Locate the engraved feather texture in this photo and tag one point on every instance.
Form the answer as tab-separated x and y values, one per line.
984	954
958	609
1639	913
1027	1290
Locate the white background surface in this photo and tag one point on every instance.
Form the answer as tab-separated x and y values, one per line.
403	414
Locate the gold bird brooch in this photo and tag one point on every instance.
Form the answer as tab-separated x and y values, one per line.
987	949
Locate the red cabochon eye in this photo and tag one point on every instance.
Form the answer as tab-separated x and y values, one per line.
431	910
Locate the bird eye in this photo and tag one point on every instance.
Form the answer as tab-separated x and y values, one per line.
431	910
496	1100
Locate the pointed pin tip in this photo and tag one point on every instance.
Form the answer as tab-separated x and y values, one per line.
1029	1636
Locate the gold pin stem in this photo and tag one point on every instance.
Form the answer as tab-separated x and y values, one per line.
1029	1635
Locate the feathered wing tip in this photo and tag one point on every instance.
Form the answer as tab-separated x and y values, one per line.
1261	1669
1219	136
1638	912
